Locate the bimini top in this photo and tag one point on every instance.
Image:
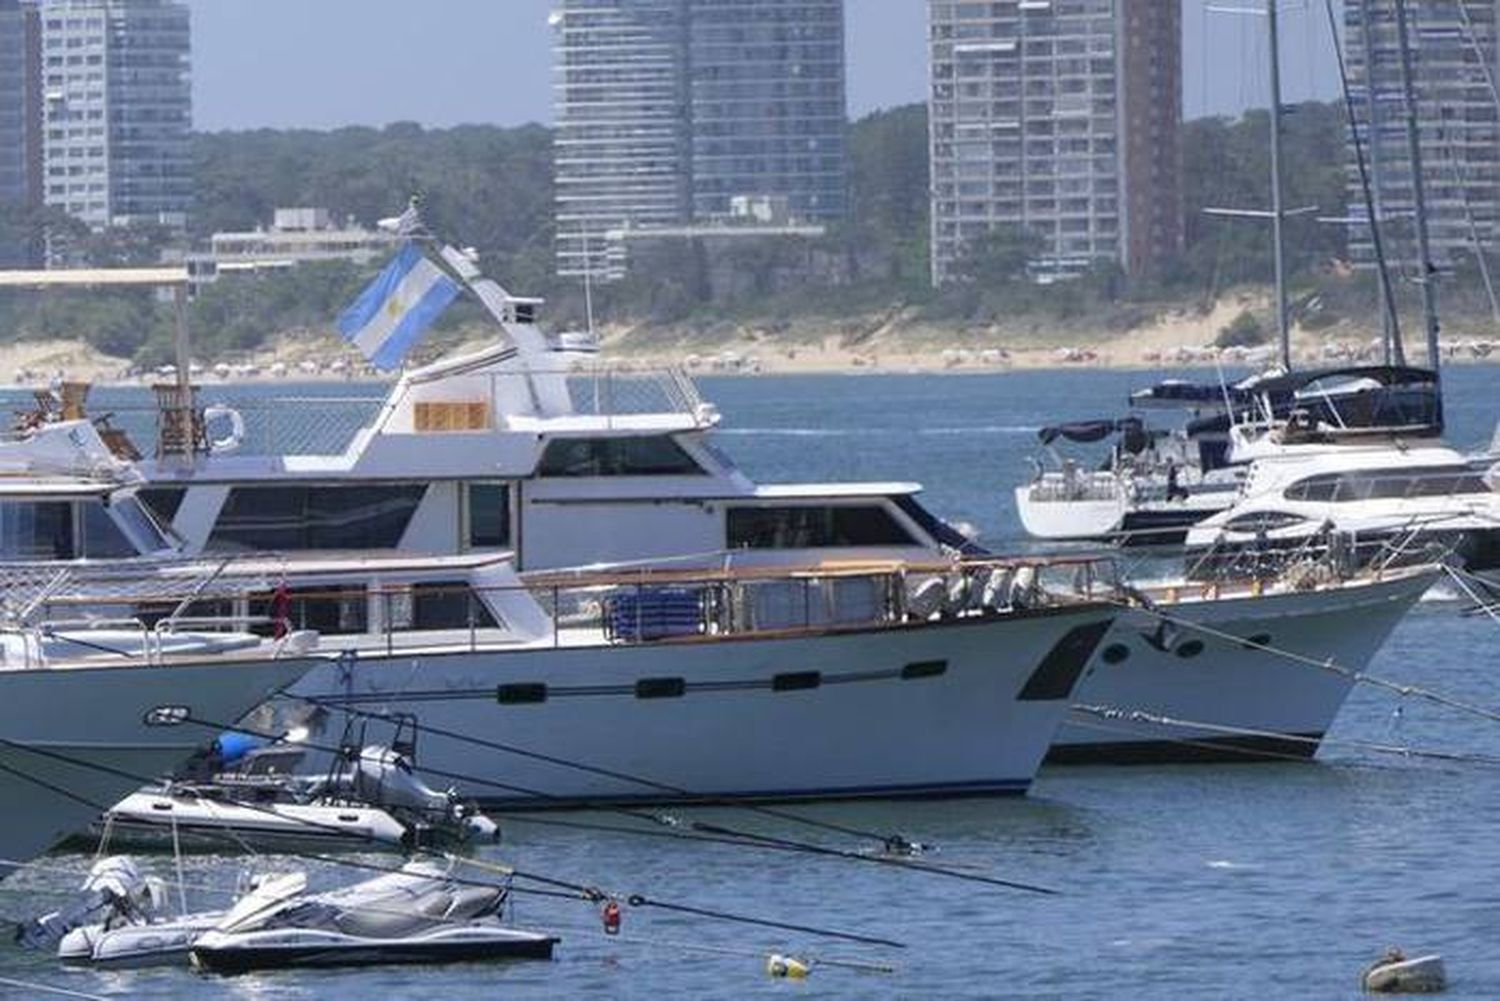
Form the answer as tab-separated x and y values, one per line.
1133	434
1364	398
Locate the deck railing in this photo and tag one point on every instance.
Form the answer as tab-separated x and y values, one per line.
580	609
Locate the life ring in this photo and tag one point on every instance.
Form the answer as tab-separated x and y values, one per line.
231	441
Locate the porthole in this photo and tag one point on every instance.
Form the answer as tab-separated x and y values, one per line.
1190	648
1257	642
1116	653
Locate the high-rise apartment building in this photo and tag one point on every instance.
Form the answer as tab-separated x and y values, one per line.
671	111
20	124
1454	63
20	102
1061	118
118	110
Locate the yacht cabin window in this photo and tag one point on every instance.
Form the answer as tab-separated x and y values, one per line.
487	507
448	605
654	456
298	517
163	501
62	530
330	609
1382	484
1263	521
814	526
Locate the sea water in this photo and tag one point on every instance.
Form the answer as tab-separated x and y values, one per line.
1221	881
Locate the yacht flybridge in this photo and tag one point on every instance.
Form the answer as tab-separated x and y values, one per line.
529	446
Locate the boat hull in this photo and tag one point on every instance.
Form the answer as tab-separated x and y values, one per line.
76	740
966	706
1255	703
280	949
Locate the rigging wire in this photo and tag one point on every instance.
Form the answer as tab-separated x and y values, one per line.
1107	715
892	842
1327	664
694	830
581	890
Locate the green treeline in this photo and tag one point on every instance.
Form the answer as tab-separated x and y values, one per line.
491	188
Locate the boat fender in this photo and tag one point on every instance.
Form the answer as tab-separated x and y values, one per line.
610	915
231	441
996	589
789	967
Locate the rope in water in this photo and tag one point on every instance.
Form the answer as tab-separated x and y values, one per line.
1110	714
44	988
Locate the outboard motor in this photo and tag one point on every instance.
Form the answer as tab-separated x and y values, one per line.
385	778
113	894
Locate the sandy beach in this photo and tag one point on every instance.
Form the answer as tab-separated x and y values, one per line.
898	341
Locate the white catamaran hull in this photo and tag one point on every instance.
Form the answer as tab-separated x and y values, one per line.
73	741
964	707
1253	699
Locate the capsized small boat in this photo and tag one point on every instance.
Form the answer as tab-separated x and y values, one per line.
1394	973
417	914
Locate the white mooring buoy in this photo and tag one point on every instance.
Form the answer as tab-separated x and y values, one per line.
1394	973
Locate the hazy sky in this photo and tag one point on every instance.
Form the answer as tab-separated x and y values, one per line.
324	63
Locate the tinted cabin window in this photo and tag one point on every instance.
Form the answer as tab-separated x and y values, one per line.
163	501
102	538
298	517
812	527
1263	521
329	610
448	605
37	530
1376	484
658	456
489	515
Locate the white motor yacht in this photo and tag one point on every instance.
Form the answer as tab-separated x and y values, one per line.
1375	496
1155	485
760	683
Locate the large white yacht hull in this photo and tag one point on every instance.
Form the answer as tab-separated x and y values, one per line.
1257	702
74	741
967	706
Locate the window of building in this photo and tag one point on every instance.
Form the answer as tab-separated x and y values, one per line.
813	526
315	517
655	456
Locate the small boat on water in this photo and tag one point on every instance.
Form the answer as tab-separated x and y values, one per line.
119	917
370	799
419	914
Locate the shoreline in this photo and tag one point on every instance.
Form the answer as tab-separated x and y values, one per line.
40	364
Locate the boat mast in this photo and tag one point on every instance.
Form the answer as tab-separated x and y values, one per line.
1419	194
1390	343
1278	214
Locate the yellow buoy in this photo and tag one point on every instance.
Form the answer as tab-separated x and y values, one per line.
790	967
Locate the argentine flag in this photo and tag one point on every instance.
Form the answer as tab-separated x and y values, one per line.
390	315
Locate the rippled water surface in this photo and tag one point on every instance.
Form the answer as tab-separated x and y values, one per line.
1248	881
